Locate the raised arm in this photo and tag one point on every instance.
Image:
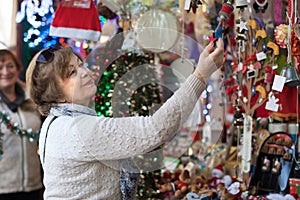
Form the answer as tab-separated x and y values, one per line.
115	138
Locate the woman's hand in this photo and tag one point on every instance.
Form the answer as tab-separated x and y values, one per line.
210	60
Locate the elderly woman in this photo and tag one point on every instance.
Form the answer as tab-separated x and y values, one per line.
20	173
80	151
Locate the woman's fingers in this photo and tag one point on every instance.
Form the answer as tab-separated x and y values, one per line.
219	50
209	48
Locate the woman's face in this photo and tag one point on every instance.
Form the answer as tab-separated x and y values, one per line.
79	87
9	72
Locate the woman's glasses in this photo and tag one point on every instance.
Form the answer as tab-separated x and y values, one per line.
47	55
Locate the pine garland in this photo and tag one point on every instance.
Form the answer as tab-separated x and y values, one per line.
15	128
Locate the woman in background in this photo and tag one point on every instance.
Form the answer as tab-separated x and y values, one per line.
20	174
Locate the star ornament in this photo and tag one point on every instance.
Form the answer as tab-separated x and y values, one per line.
242	26
212	39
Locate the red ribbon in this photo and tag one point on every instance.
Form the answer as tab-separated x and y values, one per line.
249	59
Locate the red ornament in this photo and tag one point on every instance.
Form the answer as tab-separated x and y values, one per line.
9	126
226	11
212	39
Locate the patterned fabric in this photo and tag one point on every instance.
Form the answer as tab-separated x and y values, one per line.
129	183
129	172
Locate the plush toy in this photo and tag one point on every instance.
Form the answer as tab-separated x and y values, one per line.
167	190
184	181
200	181
217	174
235	189
223	193
193	188
218	177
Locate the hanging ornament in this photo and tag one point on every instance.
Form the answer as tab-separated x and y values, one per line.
241	4
106	12
297	30
75	19
212	38
295	48
182	68
226	17
241	37
280	35
252	23
226	11
242	26
260	5
193	4
158	34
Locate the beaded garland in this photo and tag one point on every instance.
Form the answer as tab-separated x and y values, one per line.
15	128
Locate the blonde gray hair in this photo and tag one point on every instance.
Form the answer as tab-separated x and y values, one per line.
43	79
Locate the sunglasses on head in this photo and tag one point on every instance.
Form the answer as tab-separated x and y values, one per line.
47	55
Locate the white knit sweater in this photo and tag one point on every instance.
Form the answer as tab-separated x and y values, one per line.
82	151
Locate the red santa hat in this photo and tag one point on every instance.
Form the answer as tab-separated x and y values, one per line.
76	20
218	171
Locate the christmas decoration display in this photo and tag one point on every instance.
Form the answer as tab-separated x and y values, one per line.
16	129
260	80
275	148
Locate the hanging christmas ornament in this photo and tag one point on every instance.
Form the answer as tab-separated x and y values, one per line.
295	48
241	34
226	11
260	5
106	12
280	35
182	68
260	34
274	47
76	19
193	4
212	38
226	16
156	30
252	24
241	4
259	22
297	30
242	26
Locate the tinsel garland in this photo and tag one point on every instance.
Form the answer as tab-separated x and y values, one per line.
15	128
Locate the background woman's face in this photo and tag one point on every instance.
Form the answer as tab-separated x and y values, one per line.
79	87
8	72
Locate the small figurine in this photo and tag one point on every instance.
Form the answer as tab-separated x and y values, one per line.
260	5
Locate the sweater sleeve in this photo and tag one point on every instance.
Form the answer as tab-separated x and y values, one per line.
118	138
